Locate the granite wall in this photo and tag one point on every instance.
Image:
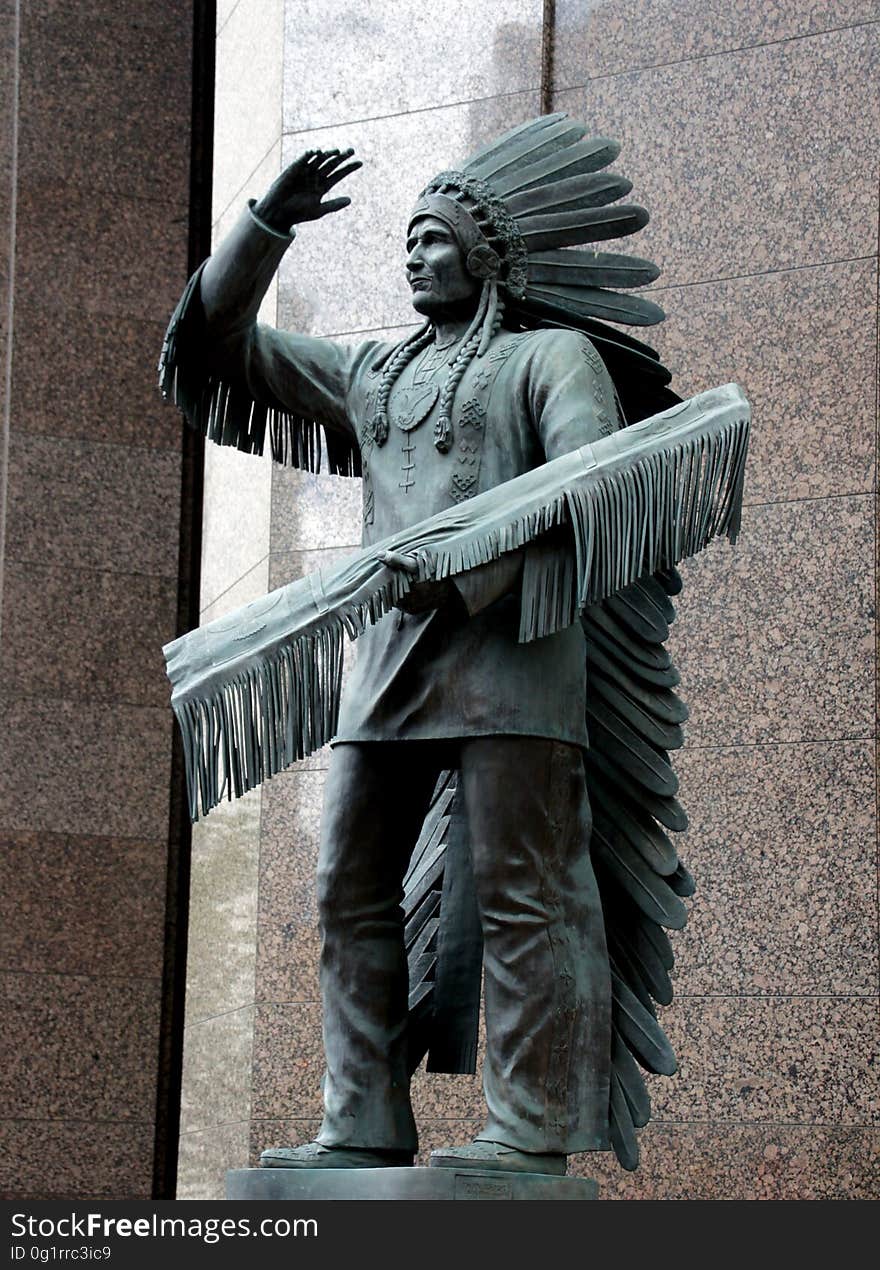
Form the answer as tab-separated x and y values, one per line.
751	133
94	194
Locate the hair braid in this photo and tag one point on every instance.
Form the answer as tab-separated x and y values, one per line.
463	358
401	357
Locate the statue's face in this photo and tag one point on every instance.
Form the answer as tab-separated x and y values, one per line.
436	270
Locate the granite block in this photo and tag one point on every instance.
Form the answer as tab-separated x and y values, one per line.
87	505
73	1047
253	185
774	639
782	845
288	1061
222	932
58	1159
748	162
619	35
225	9
204	1156
78	632
81	906
309	511
107	366
250	586
235	518
100	256
401	57
248	92
342	256
75	767
125	89
775	1061
216	1078
737	1161
442	1096
810	381
290	834
287	961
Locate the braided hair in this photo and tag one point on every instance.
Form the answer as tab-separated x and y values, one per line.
484	325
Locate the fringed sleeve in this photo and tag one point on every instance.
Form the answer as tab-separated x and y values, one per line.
239	383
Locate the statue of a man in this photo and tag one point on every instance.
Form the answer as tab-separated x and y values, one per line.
496	382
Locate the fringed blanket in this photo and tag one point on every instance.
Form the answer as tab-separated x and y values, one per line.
259	688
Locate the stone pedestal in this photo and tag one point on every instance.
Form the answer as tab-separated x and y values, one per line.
305	1185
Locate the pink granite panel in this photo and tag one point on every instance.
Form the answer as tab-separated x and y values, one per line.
288	1061
775	637
776	1061
736	190
802	344
99	253
782	845
73	767
74	1047
740	1161
290	828
619	35
120	85
77	632
83	906
58	1159
89	505
89	376
287	961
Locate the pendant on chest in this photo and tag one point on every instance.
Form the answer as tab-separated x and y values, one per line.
412	406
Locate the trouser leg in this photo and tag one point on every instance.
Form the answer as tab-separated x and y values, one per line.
547	986
375	800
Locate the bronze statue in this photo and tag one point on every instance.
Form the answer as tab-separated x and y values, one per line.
512	701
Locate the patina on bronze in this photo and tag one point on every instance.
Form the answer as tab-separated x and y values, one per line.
512	704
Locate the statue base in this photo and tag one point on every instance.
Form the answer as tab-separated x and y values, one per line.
305	1185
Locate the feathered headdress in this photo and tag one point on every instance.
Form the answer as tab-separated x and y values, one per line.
518	207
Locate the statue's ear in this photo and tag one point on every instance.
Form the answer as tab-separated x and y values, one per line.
483	261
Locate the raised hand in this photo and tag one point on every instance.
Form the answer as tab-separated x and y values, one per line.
295	196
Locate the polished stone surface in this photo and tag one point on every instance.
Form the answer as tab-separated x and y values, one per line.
290	828
248	87
222	928
107	367
618	35
288	1061
395	58
216	1078
92	633
205	1156
252	585
740	190
301	1185
310	512
809	380
235	518
89	505
69	766
782	842
329	282
775	638
771	1060
65	1159
72	904
89	1063
743	1161
88	74
95	254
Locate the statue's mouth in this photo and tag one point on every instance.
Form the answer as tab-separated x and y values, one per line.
420	284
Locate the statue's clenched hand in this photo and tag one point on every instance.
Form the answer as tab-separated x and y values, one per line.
422	596
297	193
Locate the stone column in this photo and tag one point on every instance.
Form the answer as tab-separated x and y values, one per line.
94	195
